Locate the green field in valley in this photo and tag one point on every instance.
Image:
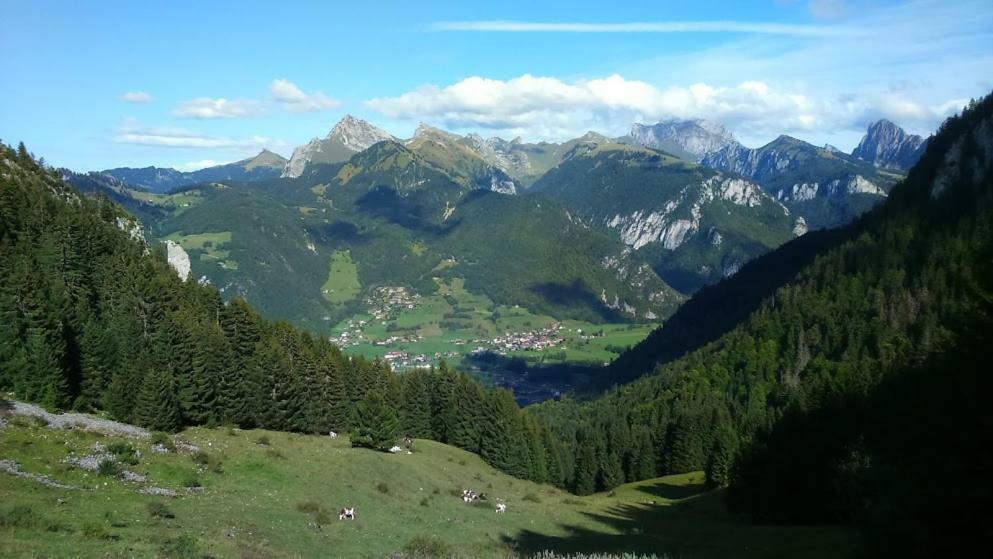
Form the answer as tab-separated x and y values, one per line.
411	330
342	284
249	493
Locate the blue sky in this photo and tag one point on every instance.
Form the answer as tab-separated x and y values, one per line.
102	84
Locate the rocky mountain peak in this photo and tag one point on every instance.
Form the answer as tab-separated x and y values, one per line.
356	134
887	145
694	139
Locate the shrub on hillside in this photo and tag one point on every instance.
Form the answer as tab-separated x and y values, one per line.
158	509
427	546
109	468
124	452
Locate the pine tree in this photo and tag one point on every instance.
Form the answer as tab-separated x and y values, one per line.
377	425
586	468
416	410
156	406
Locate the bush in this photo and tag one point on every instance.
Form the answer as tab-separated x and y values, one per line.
205	460
263	440
181	547
124	452
425	502
427	546
531	497
383	488
191	480
320	515
109	468
163	439
95	531
158	509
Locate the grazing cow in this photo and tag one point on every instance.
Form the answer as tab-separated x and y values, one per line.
468	496
333	435
408	442
501	507
347	513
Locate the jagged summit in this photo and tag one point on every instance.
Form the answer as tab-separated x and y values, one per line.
356	133
887	145
349	136
691	139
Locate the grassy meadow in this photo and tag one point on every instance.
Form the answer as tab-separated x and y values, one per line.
272	494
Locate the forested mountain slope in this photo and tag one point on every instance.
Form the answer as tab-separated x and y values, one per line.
91	318
807	406
694	225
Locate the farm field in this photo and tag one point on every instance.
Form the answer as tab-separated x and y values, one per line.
273	494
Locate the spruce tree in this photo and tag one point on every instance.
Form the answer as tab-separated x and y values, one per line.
156	406
376	423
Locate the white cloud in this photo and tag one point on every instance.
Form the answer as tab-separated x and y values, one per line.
132	133
650	27
202	164
209	107
549	108
137	97
293	99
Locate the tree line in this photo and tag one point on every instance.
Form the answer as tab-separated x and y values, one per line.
94	319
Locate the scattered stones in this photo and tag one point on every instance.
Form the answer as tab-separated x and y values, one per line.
187	447
127	475
90	462
11	467
161	491
79	420
160	449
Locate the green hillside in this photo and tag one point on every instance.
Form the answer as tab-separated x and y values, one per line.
645	194
270	494
845	388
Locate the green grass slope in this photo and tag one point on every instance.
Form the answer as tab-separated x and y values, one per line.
280	499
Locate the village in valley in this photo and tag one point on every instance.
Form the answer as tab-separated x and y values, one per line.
500	344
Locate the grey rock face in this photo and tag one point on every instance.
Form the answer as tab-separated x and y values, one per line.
887	145
696	137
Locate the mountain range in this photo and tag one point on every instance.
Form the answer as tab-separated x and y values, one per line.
263	166
678	205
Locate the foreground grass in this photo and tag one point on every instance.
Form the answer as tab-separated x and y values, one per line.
269	494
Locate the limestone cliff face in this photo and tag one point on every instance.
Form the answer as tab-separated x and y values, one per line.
178	259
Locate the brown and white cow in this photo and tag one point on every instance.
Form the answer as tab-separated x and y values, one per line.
347	513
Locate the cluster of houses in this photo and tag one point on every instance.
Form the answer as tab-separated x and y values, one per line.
386	302
534	340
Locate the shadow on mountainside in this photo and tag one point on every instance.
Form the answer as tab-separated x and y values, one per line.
695	526
576	295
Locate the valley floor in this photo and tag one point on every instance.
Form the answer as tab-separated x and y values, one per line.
251	493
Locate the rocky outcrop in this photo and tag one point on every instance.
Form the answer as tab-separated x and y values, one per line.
696	137
348	137
887	145
178	259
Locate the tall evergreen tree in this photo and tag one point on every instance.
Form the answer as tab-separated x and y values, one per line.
156	406
377	425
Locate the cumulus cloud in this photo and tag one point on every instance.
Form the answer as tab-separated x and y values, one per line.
549	108
293	99
137	97
132	133
209	107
